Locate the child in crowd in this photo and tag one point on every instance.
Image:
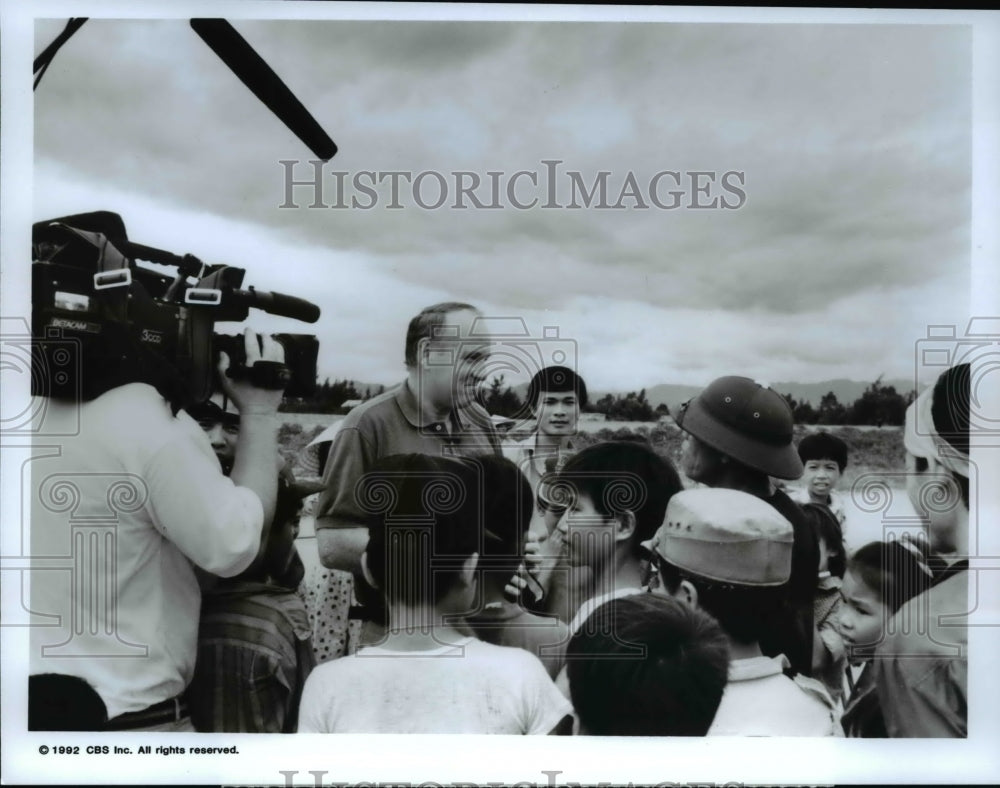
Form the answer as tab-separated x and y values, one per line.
618	494
824	458
880	578
730	554
647	665
254	630
507	511
426	676
828	646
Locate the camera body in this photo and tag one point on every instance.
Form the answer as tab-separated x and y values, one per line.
131	323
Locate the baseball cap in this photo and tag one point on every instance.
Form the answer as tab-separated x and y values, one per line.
746	421
727	536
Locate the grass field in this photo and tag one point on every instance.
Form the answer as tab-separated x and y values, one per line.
871	449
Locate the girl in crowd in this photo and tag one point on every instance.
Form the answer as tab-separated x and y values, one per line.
880	578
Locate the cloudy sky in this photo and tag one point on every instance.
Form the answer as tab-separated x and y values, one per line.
854	144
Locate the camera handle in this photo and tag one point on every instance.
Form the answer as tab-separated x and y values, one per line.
279	304
263	374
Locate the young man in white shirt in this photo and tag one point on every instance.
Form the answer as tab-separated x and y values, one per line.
556	395
618	492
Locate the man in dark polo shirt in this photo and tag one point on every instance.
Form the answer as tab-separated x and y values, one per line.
433	411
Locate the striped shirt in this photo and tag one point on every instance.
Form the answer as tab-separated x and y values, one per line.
254	654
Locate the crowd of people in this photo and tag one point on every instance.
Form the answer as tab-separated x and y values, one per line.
500	586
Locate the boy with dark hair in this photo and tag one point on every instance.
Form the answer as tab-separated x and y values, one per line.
556	380
556	395
426	676
824	458
647	665
507	508
254	629
618	493
729	554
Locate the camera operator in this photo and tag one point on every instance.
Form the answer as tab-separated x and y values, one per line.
126	620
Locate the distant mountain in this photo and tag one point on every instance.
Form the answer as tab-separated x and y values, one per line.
674	394
846	390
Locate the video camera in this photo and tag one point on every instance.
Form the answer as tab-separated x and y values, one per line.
126	323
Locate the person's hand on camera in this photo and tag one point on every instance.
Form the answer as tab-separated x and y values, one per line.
248	398
257	447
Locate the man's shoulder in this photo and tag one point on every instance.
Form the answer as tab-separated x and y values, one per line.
518	449
527	442
257	607
530	631
138	401
806	695
513	668
795	514
784	503
513	658
932	624
799	495
347	670
815	691
774	705
372	411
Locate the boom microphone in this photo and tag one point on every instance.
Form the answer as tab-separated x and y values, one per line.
250	67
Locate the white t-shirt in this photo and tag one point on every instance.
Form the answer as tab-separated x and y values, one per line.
595	602
125	496
468	687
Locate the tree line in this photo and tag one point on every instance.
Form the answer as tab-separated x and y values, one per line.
330	397
879	405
